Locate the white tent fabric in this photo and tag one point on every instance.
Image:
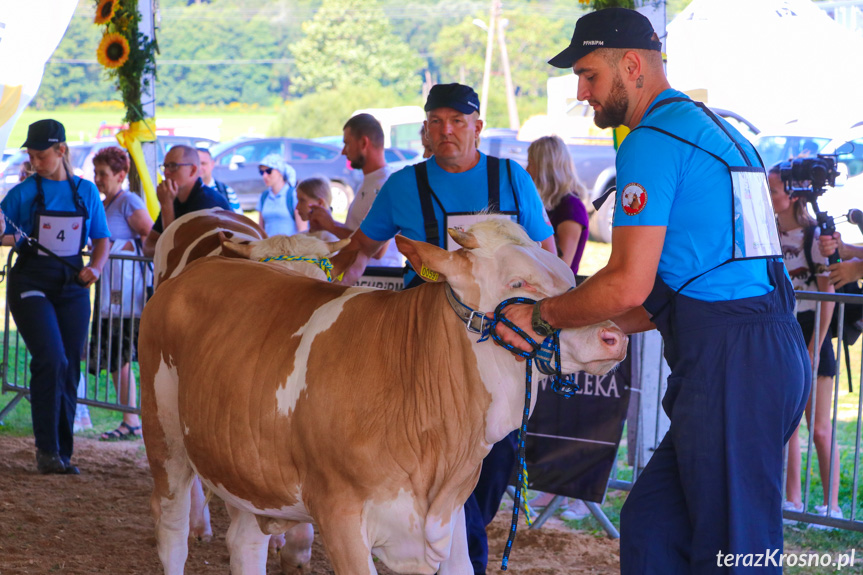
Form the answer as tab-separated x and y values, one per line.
30	31
771	61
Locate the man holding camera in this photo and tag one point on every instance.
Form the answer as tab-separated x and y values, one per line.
694	253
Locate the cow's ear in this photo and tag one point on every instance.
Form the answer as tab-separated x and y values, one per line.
431	263
336	246
232	249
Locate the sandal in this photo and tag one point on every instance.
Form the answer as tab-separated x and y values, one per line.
131	432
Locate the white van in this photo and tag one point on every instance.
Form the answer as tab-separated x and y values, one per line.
401	125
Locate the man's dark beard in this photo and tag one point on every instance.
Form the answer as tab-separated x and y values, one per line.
358	163
613	112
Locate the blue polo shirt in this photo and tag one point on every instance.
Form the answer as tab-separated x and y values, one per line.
662	181
19	203
200	198
397	208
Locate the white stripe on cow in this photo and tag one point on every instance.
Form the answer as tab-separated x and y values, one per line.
322	319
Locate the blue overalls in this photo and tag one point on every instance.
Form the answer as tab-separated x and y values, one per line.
484	502
739	382
52	313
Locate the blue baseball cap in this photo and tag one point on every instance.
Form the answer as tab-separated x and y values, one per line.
609	28
456	96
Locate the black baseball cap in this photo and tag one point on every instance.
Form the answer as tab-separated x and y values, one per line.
43	134
456	96
609	28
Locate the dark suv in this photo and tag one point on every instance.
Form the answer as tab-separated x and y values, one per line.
236	164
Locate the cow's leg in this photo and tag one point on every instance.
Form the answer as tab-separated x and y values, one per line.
346	547
170	503
247	544
296	551
458	562
199	518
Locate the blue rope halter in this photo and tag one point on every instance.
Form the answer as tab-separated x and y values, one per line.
544	354
324	263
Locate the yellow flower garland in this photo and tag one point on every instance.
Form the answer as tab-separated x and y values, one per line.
113	51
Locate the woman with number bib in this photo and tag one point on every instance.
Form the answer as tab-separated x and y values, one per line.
48	291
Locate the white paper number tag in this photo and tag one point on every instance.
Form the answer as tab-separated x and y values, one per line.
60	234
755	233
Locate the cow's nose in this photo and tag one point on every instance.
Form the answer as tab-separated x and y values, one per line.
613	338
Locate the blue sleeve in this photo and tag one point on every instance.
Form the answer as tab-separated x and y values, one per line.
132	203
379	224
11	207
648	171
98	222
532	214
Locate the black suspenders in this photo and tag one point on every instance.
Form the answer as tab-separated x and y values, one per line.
426	194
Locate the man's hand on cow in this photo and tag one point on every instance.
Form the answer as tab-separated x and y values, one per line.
521	315
167	191
322	219
846	272
829	244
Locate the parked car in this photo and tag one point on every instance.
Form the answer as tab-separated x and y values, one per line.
236	164
797	140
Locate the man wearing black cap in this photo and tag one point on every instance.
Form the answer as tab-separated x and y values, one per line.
695	254
421	202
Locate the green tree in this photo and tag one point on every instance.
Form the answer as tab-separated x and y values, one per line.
351	42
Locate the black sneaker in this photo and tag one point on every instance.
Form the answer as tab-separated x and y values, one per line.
49	463
70	469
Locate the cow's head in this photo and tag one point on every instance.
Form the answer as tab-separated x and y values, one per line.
499	261
303	245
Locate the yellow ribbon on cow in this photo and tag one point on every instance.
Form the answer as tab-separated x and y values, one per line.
131	138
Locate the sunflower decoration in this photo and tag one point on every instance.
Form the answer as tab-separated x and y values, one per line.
113	50
105	11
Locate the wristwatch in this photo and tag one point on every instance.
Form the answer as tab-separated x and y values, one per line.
538	324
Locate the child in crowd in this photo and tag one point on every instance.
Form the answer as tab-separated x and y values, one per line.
798	235
315	193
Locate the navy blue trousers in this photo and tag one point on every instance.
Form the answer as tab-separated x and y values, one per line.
52	315
484	502
740	380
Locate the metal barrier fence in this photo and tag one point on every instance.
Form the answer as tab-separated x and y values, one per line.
647	422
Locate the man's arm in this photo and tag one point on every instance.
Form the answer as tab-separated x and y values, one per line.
166	192
149	245
323	219
613	292
354	258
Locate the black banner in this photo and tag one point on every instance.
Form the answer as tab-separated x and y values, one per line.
382	278
571	443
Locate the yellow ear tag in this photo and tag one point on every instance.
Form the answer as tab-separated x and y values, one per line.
429	274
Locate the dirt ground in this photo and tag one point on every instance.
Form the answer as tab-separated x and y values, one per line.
99	522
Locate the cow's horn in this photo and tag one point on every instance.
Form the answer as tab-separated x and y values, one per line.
242	250
336	246
464	239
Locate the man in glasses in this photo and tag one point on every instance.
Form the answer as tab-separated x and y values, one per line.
181	192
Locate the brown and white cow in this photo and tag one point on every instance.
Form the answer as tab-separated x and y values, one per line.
366	412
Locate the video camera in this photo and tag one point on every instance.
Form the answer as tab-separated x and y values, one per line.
816	173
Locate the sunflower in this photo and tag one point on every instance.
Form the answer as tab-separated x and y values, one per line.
105	11
113	51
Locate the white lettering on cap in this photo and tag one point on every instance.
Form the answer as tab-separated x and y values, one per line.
593	43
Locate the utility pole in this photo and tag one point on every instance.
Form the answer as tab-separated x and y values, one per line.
507	77
486	74
147	27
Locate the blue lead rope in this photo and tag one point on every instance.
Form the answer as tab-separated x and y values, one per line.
564	385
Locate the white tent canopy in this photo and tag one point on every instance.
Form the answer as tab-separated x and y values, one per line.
771	61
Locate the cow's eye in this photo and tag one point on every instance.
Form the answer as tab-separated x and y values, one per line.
516	284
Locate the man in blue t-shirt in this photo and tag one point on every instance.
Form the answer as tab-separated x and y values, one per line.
181	192
692	255
448	190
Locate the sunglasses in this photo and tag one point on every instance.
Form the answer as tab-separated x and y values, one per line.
265	171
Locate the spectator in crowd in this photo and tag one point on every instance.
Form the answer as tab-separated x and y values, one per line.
25	171
315	194
278	203
224	189
49	296
456	180
850	269
181	192
364	148
808	271
740	374
550	166
114	337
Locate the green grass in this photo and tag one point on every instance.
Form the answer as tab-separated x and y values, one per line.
82	123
